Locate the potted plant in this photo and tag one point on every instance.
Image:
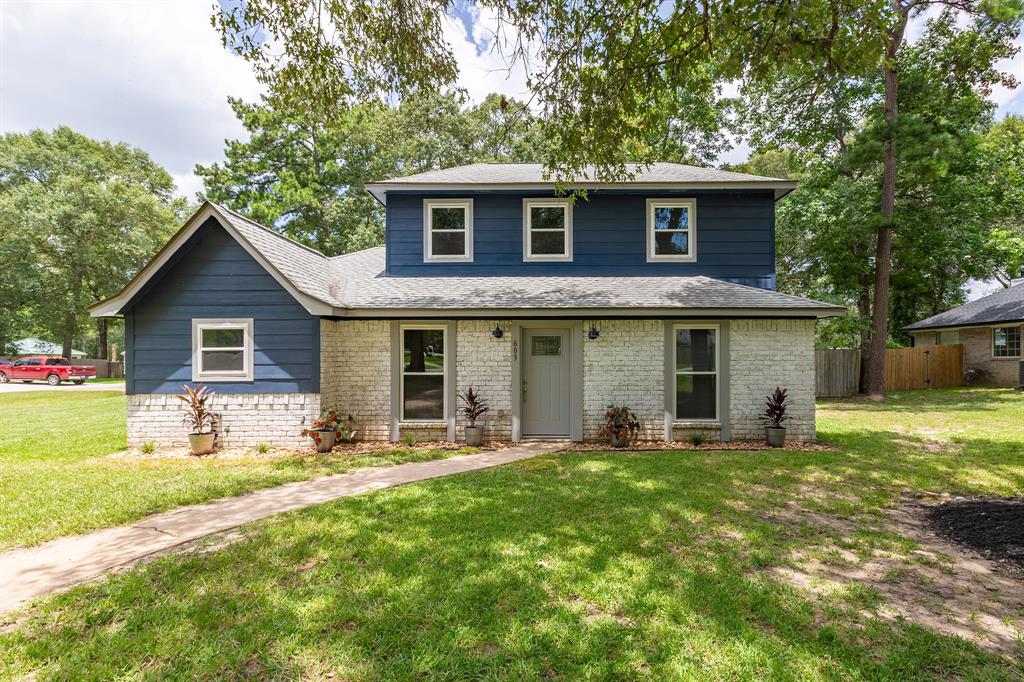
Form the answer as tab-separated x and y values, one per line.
473	407
198	418
774	416
620	426
323	430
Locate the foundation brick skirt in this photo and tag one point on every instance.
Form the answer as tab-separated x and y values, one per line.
245	419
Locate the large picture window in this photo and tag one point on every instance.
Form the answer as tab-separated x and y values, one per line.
423	375
696	370
448	229
1006	342
222	350
671	229
547	230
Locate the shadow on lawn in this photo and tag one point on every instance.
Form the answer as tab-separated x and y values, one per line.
597	565
961	399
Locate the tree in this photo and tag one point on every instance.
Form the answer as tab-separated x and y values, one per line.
78	218
306	175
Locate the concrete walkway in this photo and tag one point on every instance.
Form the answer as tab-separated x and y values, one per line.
62	563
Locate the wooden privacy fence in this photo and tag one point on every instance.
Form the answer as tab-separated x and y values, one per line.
838	369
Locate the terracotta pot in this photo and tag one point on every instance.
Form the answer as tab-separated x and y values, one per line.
326	443
474	435
619	439
775	437
201	443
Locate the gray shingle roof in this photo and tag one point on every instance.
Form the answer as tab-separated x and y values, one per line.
359	282
1003	306
496	175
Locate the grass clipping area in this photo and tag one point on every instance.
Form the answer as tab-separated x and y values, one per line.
590	565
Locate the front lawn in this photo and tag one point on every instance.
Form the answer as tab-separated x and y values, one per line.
56	478
611	566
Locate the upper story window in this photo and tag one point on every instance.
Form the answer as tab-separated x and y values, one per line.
1005	342
448	230
671	230
547	230
222	350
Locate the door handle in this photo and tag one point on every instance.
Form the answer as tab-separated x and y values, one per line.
524	389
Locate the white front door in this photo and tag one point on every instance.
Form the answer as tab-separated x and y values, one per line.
546	382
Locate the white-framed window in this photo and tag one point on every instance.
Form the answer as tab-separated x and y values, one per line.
1005	342
424	379
696	373
222	349
448	230
672	230
547	230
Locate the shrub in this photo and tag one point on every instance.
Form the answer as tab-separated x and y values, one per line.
262	448
697	439
149	447
775	409
620	421
473	406
347	431
198	416
409	439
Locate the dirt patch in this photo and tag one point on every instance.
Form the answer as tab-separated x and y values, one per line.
651	445
992	527
250	452
938	585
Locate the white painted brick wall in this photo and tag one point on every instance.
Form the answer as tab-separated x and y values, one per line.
764	354
625	365
485	363
245	419
355	373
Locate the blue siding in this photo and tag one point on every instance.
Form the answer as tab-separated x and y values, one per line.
735	236
213	276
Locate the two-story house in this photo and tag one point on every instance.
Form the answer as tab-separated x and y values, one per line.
657	293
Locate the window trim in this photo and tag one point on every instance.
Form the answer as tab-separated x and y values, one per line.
246	324
567	254
402	373
691	231
717	374
428	218
992	341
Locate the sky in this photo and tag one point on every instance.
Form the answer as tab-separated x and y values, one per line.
153	73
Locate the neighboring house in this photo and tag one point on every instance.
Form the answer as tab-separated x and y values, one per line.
989	329
34	346
656	293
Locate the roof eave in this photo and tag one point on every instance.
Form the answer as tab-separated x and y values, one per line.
603	312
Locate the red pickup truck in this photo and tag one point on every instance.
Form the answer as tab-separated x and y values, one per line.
42	368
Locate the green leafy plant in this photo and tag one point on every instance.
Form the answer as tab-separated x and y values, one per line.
347	429
327	422
621	422
775	409
149	447
198	417
697	439
473	406
409	439
262	448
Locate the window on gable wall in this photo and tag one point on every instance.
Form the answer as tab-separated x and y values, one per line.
671	230
547	230
222	350
448	230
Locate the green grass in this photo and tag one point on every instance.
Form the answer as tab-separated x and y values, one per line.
55	477
570	566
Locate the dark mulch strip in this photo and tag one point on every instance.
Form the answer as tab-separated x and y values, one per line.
991	527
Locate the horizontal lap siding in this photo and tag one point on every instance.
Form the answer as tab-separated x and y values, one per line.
217	278
735	237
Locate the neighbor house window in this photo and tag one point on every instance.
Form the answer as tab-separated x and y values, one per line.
448	230
671	229
1006	342
222	350
696	369
547	230
423	375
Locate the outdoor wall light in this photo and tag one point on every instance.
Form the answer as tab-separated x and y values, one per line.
593	333
498	332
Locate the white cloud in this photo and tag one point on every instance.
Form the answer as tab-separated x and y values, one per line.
152	74
482	67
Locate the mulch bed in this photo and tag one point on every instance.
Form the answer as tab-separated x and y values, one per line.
651	445
359	448
993	527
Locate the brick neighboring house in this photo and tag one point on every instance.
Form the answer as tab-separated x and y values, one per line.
990	330
656	293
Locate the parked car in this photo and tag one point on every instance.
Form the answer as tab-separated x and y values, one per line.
41	368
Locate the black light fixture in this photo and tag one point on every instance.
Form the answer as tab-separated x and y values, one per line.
498	332
593	333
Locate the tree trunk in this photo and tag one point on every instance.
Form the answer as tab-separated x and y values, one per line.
875	362
69	333
864	312
101	338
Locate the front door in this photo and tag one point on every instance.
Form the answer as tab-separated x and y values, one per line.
546	382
